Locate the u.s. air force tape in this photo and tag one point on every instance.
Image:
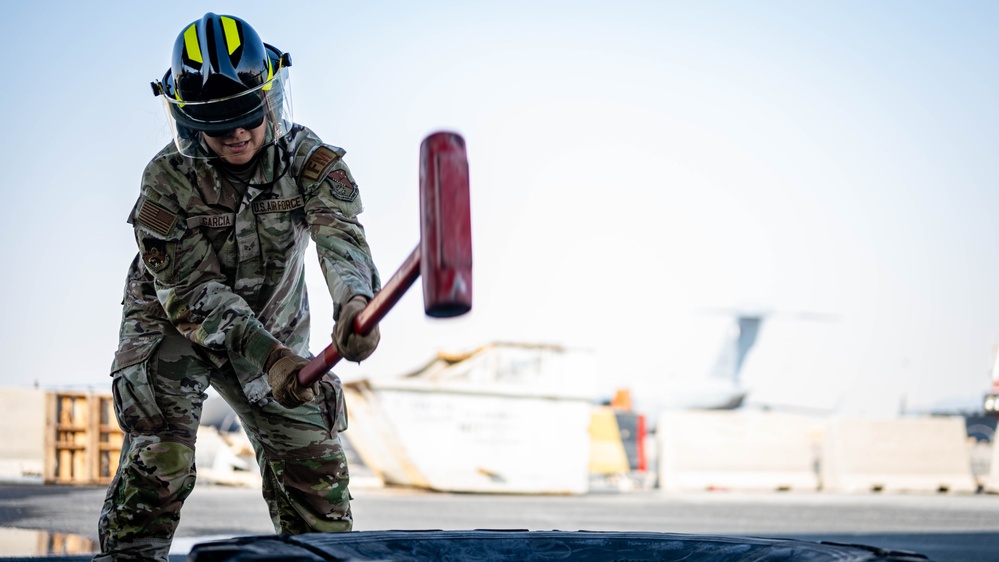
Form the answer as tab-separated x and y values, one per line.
278	205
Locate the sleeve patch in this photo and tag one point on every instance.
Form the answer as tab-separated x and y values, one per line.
156	218
319	164
342	187
156	254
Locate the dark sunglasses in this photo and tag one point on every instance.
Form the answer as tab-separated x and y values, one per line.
227	132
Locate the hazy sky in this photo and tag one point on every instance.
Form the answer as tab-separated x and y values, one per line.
635	166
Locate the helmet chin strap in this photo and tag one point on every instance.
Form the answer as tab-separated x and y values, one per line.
202	151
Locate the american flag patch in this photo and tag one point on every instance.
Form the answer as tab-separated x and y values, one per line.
158	219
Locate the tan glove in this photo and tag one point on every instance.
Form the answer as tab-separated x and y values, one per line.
351	346
283	366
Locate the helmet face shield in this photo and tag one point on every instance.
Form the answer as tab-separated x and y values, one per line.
268	103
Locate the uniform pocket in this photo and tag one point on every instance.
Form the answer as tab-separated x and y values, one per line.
278	231
333	405
316	492
134	396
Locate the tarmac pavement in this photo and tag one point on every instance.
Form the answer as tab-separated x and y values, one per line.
57	520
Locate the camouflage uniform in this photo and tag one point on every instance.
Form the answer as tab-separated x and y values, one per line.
218	284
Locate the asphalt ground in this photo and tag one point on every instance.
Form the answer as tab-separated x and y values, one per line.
62	520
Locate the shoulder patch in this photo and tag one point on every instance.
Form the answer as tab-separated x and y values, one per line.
157	218
157	254
342	187
319	163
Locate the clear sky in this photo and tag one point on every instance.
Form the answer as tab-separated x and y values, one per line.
634	167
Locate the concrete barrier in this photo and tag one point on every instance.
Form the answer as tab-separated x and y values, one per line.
61	437
22	449
736	450
992	482
911	454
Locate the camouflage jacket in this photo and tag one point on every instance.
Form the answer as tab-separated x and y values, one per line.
228	272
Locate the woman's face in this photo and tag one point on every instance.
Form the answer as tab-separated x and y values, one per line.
238	146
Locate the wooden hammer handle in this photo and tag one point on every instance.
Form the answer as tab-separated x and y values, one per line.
368	318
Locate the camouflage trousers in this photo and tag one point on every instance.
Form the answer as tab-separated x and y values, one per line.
158	404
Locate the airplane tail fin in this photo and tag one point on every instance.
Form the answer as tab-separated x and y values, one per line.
736	347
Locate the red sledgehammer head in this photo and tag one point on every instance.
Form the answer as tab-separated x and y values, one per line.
445	226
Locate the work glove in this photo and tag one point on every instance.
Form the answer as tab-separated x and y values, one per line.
283	366
352	346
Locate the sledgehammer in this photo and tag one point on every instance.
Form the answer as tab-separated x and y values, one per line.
443	257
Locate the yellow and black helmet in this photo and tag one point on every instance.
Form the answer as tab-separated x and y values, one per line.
224	77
